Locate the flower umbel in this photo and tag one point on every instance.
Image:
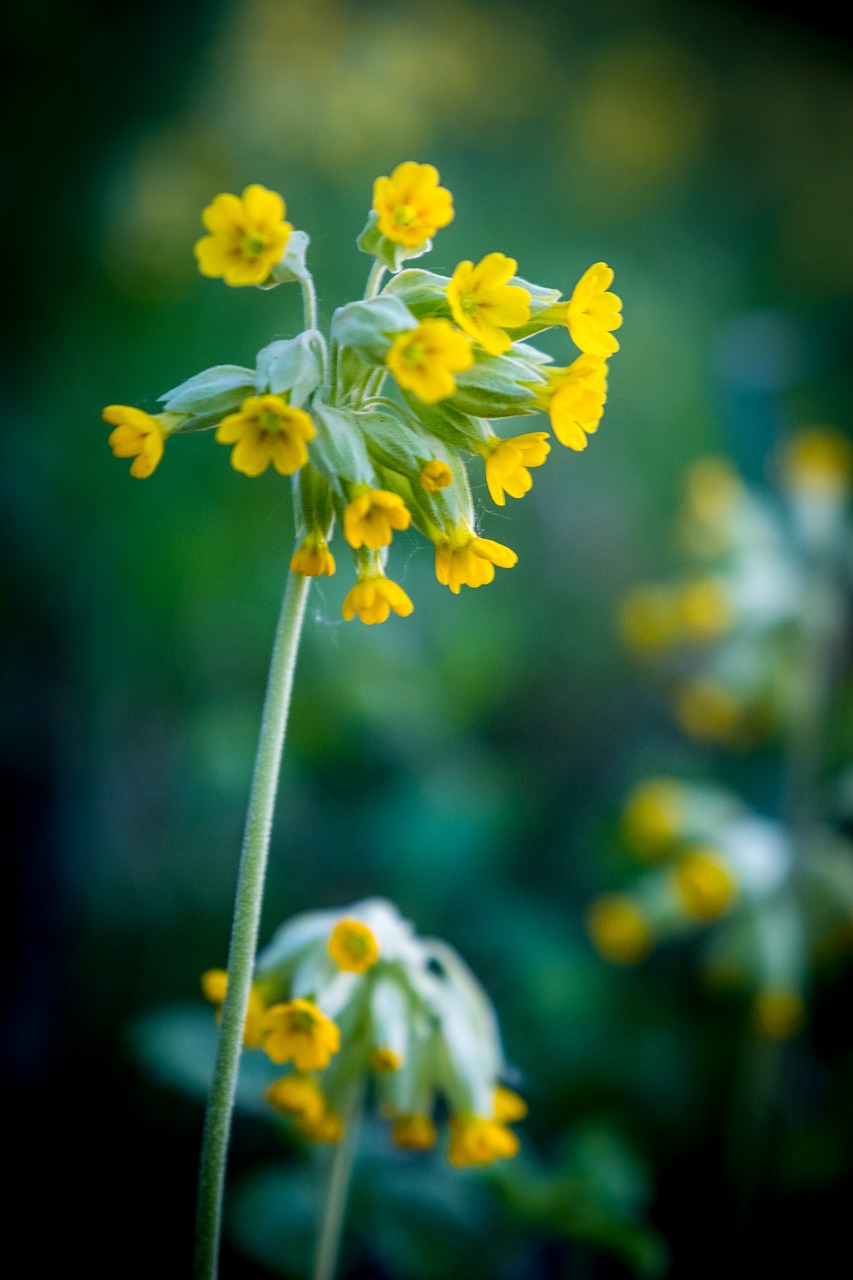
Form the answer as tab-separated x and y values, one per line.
425	359
410	205
485	305
248	235
267	430
137	435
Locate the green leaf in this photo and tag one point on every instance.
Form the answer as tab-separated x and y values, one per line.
339	448
292	365
368	326
207	397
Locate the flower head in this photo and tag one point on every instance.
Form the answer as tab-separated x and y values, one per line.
410	205
425	359
373	597
618	928
299	1096
298	1031
576	405
466	560
353	946
592	312
704	884
371	518
508	463
435	475
313	557
477	1140
248	236
137	435
267	430
484	304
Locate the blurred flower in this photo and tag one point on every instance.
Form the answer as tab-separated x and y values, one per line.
137	435
425	359
413	1133
373	597
818	461
475	1140
650	618
248	236
267	430
371	518
410	205
618	929
703	883
650	819
484	304
708	711
298	1031
299	1096
778	1013
706	610
214	984
353	946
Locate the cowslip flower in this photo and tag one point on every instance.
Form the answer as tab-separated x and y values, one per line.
576	406
651	817
299	1096
413	1132
373	597
704	885
592	312
371	518
618	928
267	430
137	435
298	1031
484	304
818	461
466	560
478	1140
313	557
435	475
248	235
424	360
410	205
508	463
353	946
214	984
383	1060
706	610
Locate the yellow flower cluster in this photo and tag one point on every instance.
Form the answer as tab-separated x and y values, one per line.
456	354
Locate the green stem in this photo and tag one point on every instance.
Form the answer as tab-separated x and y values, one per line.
374	280
338	1188
244	931
309	301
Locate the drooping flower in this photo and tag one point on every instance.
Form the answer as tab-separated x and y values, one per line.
466	560
410	205
373	597
328	1127
508	463
706	609
384	1060
413	1133
137	435
577	403
313	557
371	518
299	1096
435	475
267	430
818	461
509	1105
424	360
298	1031
484	304
214	984
353	946
248	235
704	885
478	1140
592	312
651	817
617	927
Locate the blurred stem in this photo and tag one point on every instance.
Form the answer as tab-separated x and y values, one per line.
244	930
309	301
337	1188
374	280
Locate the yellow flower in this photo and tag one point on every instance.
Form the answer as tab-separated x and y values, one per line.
592	312
137	435
435	475
299	1096
425	359
507	463
618	929
353	946
214	984
484	304
475	1140
650	821
704	884
385	1060
470	561
267	430
819	462
313	557
713	487
328	1128
371	518
411	205
708	712
778	1012
509	1105
577	405
248	236
650	618
413	1133
373	597
706	611
299	1031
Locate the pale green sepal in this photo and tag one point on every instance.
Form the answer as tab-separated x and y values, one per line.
312	502
424	292
547	311
207	397
368	326
339	448
389	253
447	421
497	387
293	365
391	440
292	266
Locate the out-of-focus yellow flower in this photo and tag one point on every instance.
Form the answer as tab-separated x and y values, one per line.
476	1140
509	1105
818	462
410	205
650	618
778	1013
435	475
470	561
385	1060
214	984
329	1127
313	557
576	406
592	312
298	1031
371	518
299	1096
248	236
617	927
712	487
650	820
507	463
484	304
704	885
706	610
709	712
413	1133
137	435
424	360
353	946
373	597
267	430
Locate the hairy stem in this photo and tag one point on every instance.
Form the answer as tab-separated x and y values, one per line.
309	301
374	280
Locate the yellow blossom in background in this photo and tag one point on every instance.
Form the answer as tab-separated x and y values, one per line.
410	205
214	985
475	1140
507	463
424	360
819	462
298	1031
248	235
371	518
327	1128
650	618
778	1013
706	610
470	561
617	927
704	885
509	1105
709	712
353	946
299	1096
576	406
373	597
137	435
650	820
712	489
267	430
484	304
413	1133
313	557
385	1060
435	475
592	312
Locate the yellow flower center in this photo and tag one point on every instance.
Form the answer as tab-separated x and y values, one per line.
404	215
269	421
302	1020
414	353
468	303
253	244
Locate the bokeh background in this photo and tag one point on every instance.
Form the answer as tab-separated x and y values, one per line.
470	762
